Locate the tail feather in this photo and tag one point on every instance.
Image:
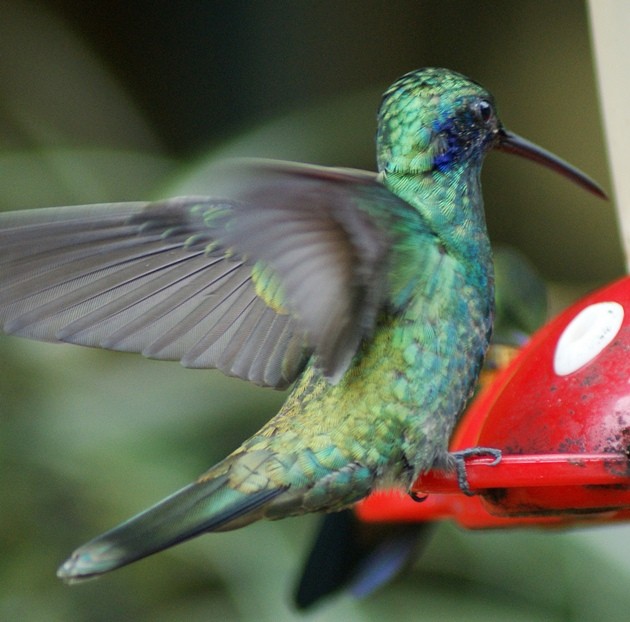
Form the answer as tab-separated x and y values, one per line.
208	505
358	557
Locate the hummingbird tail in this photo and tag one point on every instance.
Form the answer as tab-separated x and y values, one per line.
209	504
357	557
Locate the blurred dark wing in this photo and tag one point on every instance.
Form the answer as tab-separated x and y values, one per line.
293	265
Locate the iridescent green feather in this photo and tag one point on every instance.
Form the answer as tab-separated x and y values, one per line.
269	288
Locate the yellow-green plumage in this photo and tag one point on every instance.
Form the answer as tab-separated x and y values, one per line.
373	293
366	555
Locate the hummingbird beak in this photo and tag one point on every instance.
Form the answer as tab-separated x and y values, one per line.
513	143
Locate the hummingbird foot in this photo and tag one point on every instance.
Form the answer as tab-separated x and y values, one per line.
459	458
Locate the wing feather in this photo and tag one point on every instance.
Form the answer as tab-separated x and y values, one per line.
294	264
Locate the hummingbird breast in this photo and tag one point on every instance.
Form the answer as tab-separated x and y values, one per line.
391	415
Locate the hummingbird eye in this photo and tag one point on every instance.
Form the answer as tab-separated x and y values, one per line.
484	110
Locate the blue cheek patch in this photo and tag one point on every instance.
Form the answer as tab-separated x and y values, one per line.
443	160
457	138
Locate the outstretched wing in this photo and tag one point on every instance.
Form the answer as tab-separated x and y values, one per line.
294	264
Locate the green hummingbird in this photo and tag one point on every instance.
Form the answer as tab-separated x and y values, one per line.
372	293
359	557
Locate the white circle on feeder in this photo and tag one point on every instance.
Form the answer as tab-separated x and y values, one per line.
586	335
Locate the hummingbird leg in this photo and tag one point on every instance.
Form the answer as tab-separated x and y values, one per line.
460	464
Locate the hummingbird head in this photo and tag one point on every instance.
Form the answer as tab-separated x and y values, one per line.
432	121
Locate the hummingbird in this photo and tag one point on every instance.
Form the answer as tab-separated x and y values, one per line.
359	557
371	293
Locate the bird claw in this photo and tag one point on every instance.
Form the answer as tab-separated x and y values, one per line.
460	464
418	497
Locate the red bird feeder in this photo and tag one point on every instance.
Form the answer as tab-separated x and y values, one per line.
560	413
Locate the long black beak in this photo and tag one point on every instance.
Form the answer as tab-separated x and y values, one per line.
513	143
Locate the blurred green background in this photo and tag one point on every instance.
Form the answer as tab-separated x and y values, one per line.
112	100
